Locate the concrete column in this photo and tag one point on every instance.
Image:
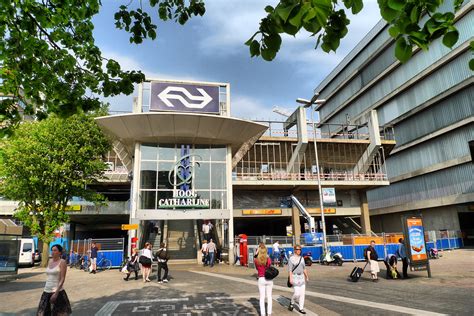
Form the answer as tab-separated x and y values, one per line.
364	214
295	223
230	205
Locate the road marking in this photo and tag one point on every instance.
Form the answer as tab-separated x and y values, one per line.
337	298
111	306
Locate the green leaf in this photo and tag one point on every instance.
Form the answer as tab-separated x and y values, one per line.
254	48
269	9
393	31
296	20
273	41
450	38
290	29
471	64
388	14
357	6
397	5
268	54
285	11
403	50
415	14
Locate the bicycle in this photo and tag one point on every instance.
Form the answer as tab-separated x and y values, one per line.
102	264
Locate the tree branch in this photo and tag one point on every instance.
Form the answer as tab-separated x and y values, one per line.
51	41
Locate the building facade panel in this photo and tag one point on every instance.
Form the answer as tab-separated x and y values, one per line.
437	150
419	62
440	115
457	180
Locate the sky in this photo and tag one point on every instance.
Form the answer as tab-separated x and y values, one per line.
211	48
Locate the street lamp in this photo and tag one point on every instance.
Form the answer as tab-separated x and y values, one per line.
309	104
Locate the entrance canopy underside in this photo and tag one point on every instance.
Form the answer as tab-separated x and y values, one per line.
180	128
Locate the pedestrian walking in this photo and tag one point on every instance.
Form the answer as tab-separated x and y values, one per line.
298	276
205	258
262	262
371	256
206	230
211	252
402	254
390	262
146	259
54	300
94	250
162	256
276	253
132	265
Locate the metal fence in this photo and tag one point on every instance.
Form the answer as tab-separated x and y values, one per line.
110	248
352	246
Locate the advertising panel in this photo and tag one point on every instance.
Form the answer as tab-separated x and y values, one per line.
329	196
181	97
416	238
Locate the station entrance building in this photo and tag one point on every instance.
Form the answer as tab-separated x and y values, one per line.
188	162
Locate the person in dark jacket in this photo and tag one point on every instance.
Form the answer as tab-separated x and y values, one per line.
402	254
371	256
162	257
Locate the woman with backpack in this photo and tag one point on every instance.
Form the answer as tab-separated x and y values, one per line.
297	278
262	262
371	256
162	256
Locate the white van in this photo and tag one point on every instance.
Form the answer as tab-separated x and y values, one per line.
27	252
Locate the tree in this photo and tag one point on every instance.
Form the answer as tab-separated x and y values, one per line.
46	163
50	63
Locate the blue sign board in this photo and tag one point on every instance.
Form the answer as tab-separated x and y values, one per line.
180	97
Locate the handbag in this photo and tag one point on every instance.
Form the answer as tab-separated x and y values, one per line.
288	283
271	273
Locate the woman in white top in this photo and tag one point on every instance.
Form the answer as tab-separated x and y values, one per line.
146	259
298	278
54	300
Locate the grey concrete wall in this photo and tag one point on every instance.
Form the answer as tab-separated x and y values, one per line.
439	218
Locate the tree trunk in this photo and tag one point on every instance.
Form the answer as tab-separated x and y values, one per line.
45	254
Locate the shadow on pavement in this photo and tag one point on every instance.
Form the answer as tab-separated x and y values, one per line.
159	300
20	286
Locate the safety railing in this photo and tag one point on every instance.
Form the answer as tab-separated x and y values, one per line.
285	176
327	130
351	246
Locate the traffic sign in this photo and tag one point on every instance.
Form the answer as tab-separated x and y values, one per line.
129	226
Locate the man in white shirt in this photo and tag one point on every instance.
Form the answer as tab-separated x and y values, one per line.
206	230
276	252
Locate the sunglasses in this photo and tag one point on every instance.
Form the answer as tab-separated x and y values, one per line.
297	249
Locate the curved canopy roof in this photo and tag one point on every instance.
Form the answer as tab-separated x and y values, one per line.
181	128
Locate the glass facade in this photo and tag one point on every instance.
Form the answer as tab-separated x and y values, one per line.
183	177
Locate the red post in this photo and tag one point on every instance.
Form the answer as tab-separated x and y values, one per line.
244	254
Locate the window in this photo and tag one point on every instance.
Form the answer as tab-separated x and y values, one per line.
27	247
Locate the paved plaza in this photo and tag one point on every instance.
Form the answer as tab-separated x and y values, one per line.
223	290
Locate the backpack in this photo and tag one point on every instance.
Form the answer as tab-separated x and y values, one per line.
163	255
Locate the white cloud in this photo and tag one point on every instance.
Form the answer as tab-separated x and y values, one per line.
224	34
246	107
125	102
